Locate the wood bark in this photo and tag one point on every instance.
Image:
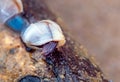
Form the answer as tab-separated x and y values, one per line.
69	63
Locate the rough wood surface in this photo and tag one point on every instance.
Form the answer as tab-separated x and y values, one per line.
67	64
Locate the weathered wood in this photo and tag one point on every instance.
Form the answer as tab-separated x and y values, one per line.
69	63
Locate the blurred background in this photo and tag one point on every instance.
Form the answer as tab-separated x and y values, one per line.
96	25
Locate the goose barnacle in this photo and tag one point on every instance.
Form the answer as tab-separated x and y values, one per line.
44	33
9	8
10	14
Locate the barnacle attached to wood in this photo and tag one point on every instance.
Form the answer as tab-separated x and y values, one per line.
9	8
10	15
44	33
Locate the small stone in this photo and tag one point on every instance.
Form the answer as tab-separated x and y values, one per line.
30	78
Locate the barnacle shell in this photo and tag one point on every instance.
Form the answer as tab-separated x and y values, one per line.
43	32
9	8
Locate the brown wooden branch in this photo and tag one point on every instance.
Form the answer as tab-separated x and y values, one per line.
67	64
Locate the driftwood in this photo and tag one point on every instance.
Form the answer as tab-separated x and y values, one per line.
69	63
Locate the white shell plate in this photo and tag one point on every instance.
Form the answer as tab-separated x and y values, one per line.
43	32
9	8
